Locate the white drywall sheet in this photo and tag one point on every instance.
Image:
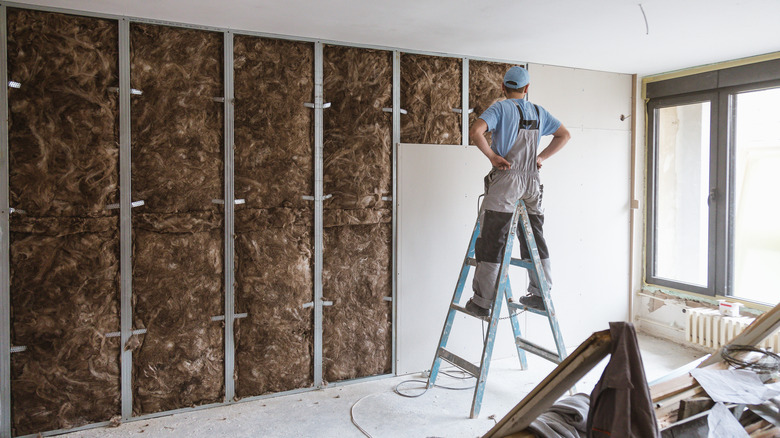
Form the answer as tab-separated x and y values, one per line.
586	223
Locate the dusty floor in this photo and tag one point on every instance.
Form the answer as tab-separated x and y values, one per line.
377	409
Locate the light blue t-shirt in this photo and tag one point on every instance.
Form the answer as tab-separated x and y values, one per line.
503	120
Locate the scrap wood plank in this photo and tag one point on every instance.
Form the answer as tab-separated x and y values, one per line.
756	332
667	407
679	384
563	377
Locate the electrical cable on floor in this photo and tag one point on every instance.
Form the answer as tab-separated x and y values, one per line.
352	415
463	376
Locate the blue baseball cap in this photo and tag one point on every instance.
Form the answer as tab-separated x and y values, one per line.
516	77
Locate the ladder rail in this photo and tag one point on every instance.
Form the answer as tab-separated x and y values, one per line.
500	286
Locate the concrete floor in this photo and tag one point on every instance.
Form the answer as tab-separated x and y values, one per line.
377	409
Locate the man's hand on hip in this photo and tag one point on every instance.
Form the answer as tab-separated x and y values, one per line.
499	162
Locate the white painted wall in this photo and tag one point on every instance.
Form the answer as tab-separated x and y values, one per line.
587	222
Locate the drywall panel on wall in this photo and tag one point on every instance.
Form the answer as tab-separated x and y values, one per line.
177	131
274	168
485	81
586	222
357	235
586	193
430	90
63	162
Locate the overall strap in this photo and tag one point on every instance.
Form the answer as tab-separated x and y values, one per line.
527	124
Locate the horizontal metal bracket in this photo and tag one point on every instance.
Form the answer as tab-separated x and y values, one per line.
311	105
222	201
118	334
218	99
460	111
311	303
16	210
132	91
235	316
132	205
388	299
18	349
311	198
389	110
14	84
387	198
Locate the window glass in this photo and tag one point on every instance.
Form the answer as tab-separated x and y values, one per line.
756	227
682	189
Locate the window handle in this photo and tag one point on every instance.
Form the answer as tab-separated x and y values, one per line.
711	198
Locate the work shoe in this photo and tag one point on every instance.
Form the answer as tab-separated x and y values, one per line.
476	310
532	301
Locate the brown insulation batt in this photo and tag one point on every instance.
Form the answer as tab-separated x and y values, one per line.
430	89
357	329
274	168
63	159
357	133
178	254
485	80
177	285
274	342
177	132
274	132
64	156
64	300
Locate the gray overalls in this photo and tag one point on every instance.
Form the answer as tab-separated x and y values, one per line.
502	190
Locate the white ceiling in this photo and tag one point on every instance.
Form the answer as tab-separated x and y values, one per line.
608	35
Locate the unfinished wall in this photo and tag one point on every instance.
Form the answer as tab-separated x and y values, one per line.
357	258
177	131
63	161
274	230
430	89
485	81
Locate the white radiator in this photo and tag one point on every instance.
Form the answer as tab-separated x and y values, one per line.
707	327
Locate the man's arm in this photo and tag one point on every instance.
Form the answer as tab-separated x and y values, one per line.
477	135
560	138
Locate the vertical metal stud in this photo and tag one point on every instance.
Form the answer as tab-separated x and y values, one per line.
5	282
318	177
465	105
396	141
125	221
229	222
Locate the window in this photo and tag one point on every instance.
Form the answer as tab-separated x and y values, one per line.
713	222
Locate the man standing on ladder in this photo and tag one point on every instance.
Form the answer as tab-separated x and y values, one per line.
517	126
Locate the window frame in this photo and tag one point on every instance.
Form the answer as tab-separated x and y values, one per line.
720	88
653	108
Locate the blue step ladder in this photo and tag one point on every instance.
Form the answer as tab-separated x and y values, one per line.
503	291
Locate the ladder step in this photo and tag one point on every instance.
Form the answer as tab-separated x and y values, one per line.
538	350
459	362
518	306
527	264
463	309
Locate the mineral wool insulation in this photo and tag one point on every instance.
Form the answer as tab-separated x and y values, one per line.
430	90
485	80
357	331
177	132
63	162
274	168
